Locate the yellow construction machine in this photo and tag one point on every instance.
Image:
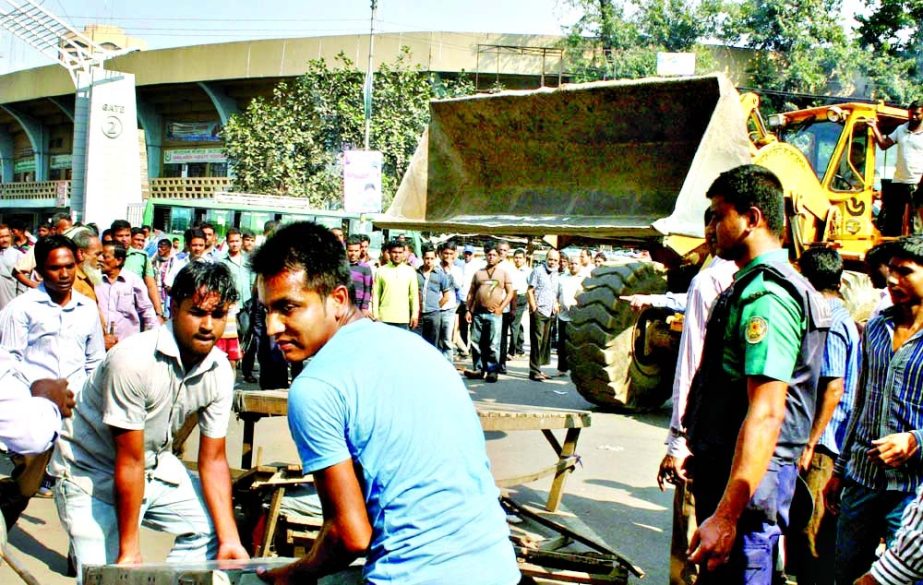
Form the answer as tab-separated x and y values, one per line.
629	163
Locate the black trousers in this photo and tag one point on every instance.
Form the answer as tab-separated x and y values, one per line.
517	341
540	341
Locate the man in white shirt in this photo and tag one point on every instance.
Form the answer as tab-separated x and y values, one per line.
114	461
571	284
904	189
9	285
519	275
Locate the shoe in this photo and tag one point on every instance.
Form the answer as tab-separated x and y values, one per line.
491	377
250	379
502	369
538	377
44	491
474	374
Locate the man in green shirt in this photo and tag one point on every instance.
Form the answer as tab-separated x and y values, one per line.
395	293
138	263
752	400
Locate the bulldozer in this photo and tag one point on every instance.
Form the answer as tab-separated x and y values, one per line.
629	163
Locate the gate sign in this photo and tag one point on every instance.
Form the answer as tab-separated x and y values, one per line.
362	181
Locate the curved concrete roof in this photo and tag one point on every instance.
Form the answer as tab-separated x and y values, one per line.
432	51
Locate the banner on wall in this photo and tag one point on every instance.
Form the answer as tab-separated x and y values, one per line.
194	131
61	161
362	181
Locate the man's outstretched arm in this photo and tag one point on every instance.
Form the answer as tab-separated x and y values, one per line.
345	534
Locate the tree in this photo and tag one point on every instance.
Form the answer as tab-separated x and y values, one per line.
291	142
615	39
801	47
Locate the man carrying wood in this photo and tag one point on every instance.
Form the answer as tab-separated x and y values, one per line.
397	452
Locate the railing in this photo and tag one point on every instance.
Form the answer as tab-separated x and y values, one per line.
189	188
54	190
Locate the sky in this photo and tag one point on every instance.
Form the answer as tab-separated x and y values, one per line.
172	23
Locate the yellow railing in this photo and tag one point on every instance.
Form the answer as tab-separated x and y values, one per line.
189	188
60	190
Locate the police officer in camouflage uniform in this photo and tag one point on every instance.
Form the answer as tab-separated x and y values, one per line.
753	399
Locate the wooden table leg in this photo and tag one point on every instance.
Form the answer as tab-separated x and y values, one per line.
272	518
557	486
246	452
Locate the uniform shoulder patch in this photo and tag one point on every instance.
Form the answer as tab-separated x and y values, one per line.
756	329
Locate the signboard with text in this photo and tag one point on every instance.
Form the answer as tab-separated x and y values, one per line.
175	156
194	131
362	181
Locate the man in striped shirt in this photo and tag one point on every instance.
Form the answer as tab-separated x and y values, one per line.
879	468
361	274
902	564
811	549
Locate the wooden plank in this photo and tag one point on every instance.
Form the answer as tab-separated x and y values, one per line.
494	417
557	486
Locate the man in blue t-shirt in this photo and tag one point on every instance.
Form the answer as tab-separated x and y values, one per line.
397	452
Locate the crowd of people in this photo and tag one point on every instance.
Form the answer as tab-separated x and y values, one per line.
785	420
111	342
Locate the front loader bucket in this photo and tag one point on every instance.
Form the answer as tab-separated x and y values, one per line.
607	159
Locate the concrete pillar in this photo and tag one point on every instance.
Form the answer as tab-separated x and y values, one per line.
152	123
224	104
66	109
6	155
38	137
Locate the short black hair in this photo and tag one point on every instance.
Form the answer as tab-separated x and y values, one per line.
163	241
46	245
823	267
208	277
353	240
392	244
915	105
427	248
310	247
206	226
193	233
908	248
489	248
233	232
519	251
880	254
756	186
364	237
118	250
247	234
18	225
448	246
136	230
119	224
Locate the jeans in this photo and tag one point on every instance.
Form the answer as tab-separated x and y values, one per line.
431	327
447	326
866	515
539	341
752	560
485	341
92	524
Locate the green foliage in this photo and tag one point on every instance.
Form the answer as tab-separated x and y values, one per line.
800	46
292	142
619	39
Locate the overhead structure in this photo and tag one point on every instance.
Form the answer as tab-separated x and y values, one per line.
106	174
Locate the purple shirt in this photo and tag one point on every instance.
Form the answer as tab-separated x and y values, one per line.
125	305
362	282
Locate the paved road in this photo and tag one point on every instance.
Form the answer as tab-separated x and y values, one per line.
613	493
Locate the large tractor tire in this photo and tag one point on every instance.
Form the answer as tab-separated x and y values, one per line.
607	341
